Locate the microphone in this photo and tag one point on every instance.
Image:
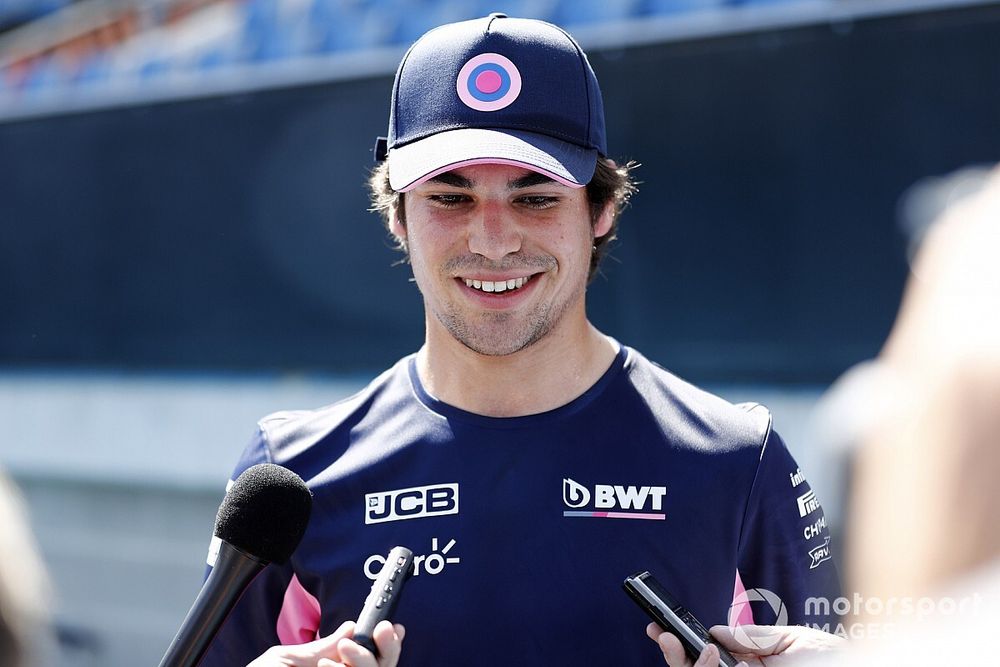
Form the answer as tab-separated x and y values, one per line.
260	521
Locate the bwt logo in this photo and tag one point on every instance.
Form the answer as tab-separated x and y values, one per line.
609	497
412	503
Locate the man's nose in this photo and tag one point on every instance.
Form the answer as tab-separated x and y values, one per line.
494	232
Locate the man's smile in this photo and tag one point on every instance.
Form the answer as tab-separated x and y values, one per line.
510	284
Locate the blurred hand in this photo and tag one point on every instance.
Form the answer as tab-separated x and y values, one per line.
785	645
924	509
338	650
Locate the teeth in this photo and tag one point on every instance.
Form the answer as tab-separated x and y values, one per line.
496	286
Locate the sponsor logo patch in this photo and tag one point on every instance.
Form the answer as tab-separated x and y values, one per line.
413	503
433	563
809	532
820	554
807	503
613	501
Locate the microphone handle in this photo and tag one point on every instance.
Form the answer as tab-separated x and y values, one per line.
233	571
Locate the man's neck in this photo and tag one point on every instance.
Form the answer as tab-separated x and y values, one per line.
541	377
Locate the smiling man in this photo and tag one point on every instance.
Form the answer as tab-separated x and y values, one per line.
501	255
529	461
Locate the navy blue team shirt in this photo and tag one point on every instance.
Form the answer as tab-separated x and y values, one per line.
525	527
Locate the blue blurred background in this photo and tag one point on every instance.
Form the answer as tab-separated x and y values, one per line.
186	247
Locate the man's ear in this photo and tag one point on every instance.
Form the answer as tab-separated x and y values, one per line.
396	225
605	220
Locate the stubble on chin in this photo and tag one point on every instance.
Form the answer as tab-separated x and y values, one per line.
496	334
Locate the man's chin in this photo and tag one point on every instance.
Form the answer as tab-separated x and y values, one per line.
500	346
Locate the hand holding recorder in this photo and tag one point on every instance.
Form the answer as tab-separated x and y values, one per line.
373	641
674	619
685	642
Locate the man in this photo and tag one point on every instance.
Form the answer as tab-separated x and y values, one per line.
530	461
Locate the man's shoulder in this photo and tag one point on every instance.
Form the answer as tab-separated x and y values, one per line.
700	415
388	389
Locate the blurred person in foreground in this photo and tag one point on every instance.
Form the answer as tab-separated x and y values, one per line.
530	461
24	590
924	539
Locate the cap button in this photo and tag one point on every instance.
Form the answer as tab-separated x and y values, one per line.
497	15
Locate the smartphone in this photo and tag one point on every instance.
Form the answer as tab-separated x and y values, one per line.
661	606
384	597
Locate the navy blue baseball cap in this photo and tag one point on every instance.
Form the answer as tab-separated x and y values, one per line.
494	90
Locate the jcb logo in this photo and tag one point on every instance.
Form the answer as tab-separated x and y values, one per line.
412	503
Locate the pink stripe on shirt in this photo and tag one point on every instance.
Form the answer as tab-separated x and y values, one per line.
298	621
740	612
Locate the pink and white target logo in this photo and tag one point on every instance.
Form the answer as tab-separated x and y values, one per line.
488	82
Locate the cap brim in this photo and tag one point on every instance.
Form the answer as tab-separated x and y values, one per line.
416	162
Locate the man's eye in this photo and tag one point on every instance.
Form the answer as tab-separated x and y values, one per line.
538	201
448	201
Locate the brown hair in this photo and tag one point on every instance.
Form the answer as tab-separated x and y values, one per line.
611	183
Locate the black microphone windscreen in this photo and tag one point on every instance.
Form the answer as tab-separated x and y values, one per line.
265	512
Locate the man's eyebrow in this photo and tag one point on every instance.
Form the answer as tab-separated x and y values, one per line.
534	178
452	179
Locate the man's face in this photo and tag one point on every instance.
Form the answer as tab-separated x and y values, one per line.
501	255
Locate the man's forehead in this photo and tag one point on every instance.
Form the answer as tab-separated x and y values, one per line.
470	176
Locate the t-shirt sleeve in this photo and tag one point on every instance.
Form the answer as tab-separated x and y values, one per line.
252	627
786	554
